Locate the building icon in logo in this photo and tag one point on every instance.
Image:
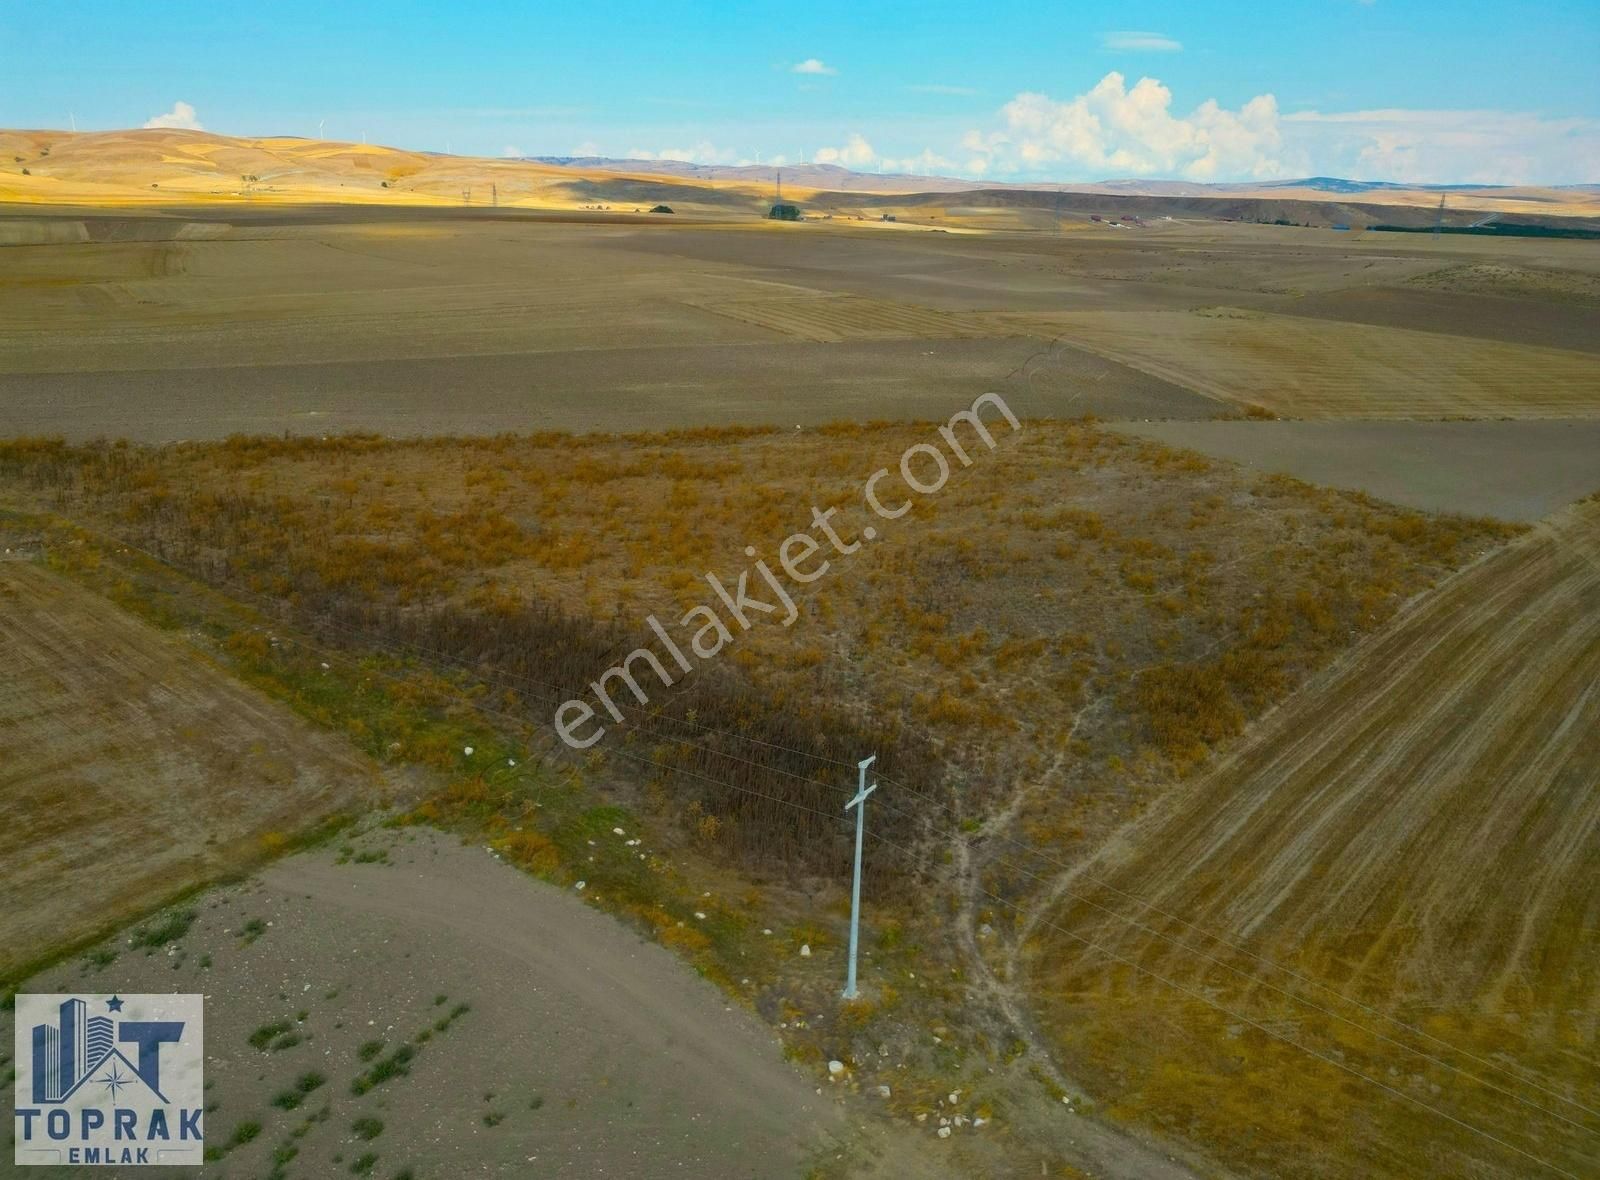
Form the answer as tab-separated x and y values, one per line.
68	1053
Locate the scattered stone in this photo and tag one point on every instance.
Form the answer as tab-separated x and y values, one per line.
883	1091
805	950
835	1068
944	1132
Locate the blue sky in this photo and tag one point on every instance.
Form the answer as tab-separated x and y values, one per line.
1208	91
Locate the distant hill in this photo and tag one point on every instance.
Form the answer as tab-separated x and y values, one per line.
172	166
818	176
834	179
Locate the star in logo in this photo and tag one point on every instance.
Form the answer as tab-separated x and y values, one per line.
114	1004
114	1079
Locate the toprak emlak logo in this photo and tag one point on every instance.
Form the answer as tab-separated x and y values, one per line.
109	1080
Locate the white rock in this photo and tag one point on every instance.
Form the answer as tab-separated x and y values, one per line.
467	750
580	885
835	1068
955	1097
618	832
883	1091
805	950
700	915
944	1132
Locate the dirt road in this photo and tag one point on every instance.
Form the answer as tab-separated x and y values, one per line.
1520	471
570	1047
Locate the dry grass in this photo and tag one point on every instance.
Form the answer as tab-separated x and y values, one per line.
1075	594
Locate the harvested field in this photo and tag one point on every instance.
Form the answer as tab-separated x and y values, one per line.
1519	471
1569	324
1400	872
134	762
625	389
1306	368
481	327
849	318
207	321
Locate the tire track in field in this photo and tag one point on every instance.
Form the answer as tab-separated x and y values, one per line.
1413	840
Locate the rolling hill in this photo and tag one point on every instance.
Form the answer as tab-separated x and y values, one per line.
154	167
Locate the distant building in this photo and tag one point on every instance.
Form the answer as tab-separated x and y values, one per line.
888	217
784	212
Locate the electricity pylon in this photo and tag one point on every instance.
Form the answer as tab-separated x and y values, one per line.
860	804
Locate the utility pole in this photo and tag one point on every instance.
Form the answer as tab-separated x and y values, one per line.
860	804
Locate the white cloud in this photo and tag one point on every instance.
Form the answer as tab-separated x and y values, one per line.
1136	42
511	151
181	116
1448	147
856	153
811	65
703	152
587	148
926	163
1115	130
